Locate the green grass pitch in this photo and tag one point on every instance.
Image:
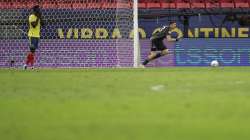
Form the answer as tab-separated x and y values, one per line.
185	103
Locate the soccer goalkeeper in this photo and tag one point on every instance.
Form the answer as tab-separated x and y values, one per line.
35	22
158	44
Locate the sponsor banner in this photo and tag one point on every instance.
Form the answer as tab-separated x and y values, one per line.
200	27
119	53
200	52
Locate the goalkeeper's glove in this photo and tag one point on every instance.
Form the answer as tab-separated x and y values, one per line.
152	38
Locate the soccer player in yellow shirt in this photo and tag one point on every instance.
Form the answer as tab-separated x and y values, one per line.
35	21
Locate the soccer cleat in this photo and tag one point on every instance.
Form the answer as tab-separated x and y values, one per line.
24	66
141	66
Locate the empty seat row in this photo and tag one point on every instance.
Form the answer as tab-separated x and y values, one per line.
187	4
63	5
90	4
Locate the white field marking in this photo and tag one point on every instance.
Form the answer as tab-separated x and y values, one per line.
239	82
157	87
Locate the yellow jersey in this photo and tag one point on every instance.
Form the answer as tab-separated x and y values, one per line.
34	32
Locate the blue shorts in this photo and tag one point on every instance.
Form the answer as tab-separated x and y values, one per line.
34	41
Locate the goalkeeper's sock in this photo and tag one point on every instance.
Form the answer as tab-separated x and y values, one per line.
155	57
145	62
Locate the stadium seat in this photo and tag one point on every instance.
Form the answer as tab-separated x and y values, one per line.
166	4
94	5
197	3
107	4
30	4
64	5
124	5
183	4
227	4
212	3
153	4
5	5
47	4
142	4
77	5
17	5
242	3
150	4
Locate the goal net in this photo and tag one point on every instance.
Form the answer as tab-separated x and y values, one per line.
77	33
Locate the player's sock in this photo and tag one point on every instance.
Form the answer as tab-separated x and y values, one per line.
32	59
32	63
28	59
148	60
145	62
157	56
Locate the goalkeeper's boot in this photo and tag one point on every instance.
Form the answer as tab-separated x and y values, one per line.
141	66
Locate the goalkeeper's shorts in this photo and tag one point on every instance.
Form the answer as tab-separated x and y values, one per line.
158	44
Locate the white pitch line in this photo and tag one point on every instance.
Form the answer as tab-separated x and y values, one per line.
157	87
